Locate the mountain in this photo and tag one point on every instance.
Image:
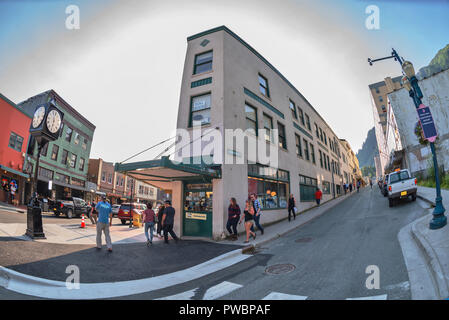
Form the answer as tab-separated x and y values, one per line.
368	151
438	63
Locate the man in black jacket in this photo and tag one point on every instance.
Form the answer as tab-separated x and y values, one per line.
168	219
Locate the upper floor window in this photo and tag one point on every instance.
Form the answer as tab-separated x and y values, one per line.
317	133
381	99
44	150
306	149
263	86
301	116
293	109
73	160
321	158
103	176
268	126
312	153
15	141
68	134
200	109
203	62
282	138
65	154
251	119
298	145
308	122
54	152
84	144
109	178
81	164
77	138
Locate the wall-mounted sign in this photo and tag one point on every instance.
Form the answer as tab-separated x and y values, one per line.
196	216
427	123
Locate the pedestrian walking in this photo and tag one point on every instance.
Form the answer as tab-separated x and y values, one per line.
350	187
318	196
345	187
104	210
371	183
160	212
291	207
249	218
168	219
149	219
93	213
358	186
233	219
257	211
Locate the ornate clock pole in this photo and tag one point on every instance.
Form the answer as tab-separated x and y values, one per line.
45	127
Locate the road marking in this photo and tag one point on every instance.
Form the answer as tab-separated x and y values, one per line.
34	286
220	290
380	297
187	295
283	296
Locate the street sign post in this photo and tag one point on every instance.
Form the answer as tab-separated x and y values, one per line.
427	123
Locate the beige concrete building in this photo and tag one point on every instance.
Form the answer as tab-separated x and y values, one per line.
379	102
227	84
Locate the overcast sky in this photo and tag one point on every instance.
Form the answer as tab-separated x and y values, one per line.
122	69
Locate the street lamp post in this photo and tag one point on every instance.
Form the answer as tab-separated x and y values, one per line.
410	83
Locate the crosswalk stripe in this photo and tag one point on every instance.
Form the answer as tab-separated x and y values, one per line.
283	296
380	297
220	290
187	295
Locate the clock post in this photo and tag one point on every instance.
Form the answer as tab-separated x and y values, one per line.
45	127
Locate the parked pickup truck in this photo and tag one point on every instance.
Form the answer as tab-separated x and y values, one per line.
400	186
71	207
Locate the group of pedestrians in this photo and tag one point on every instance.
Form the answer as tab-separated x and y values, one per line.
164	220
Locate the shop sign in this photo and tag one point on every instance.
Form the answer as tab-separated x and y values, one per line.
196	216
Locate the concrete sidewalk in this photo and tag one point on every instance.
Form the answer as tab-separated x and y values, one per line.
433	246
7	207
282	227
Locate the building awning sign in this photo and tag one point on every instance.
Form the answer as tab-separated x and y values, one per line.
162	171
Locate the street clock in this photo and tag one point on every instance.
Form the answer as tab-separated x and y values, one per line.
46	123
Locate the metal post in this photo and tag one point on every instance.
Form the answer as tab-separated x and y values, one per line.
34	213
439	220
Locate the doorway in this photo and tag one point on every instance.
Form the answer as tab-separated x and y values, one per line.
197	213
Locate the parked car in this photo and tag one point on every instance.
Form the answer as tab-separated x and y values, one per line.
115	209
124	212
71	207
384	189
401	185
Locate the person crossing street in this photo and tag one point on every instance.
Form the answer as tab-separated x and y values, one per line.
104	221
168	219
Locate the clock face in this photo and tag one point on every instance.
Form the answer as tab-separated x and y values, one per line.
53	121
38	117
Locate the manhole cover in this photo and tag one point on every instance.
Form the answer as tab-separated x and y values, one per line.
280	268
303	240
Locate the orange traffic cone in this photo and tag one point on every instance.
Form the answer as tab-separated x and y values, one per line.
83	224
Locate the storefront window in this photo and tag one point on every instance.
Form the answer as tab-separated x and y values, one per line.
198	201
307	188
326	187
270	184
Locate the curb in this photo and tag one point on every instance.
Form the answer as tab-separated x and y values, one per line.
426	200
432	260
51	289
10	209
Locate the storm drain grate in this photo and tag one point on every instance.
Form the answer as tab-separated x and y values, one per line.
303	240
280	268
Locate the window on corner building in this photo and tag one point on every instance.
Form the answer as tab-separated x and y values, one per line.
203	62
81	164
308	122
282	138
326	187
301	116
68	134
298	145
44	150
251	119
306	149
317	133
77	138
64	157
293	109
271	185
73	160
312	153
268	126
15	141
200	109
321	158
110	178
263	86
54	153
84	144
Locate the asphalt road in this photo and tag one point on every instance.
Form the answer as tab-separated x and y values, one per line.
330	255
7	216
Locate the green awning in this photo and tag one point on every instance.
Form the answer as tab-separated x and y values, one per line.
25	175
156	172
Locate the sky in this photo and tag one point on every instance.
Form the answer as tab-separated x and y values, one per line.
122	68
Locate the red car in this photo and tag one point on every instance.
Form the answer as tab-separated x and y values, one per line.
124	213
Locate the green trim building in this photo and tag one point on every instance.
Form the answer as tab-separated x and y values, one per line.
64	162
